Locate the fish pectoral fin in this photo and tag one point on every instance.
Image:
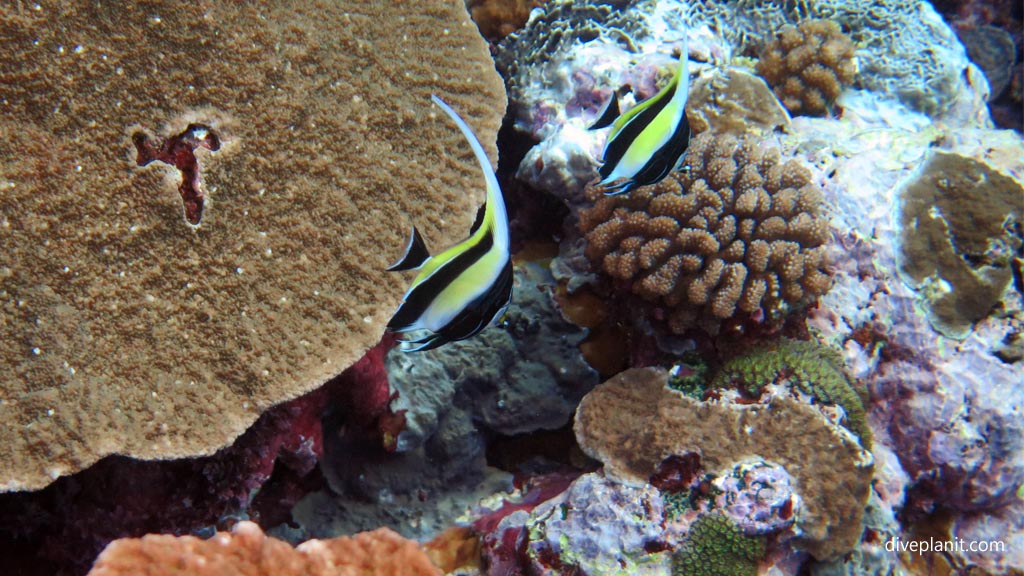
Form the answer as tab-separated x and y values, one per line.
428	342
415	255
611	112
620	187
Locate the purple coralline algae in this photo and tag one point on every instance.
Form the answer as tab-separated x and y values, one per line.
758	496
949	409
598	526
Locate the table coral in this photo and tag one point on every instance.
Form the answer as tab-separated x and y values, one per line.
740	231
261	475
807	66
179	151
125	330
632	422
961	229
247	550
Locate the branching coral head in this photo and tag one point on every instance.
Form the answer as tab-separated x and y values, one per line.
809	65
740	232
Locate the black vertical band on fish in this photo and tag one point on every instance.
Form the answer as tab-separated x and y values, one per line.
648	141
464	289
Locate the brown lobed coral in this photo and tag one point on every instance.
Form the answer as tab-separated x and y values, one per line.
499	18
960	228
740	231
246	550
808	65
632	422
728	99
124	329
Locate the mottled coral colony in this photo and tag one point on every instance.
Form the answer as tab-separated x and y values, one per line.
740	231
792	346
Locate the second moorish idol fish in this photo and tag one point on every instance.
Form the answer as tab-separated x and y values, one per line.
650	139
462	290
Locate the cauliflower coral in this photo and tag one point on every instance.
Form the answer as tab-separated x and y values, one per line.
808	66
740	231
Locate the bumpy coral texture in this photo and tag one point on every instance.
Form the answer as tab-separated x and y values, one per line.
741	231
809	65
248	551
814	369
717	547
125	330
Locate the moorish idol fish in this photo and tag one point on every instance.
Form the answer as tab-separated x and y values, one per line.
649	140
462	290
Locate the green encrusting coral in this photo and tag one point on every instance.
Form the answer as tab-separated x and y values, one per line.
676	504
690	376
816	370
717	547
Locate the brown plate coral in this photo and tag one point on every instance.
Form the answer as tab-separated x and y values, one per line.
960	233
125	329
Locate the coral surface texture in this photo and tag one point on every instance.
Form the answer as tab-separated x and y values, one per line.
741	231
247	551
799	352
128	330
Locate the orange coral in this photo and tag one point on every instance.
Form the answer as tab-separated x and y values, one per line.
457	547
247	551
741	231
809	65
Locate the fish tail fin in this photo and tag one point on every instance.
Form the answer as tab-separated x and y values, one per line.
478	149
415	255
